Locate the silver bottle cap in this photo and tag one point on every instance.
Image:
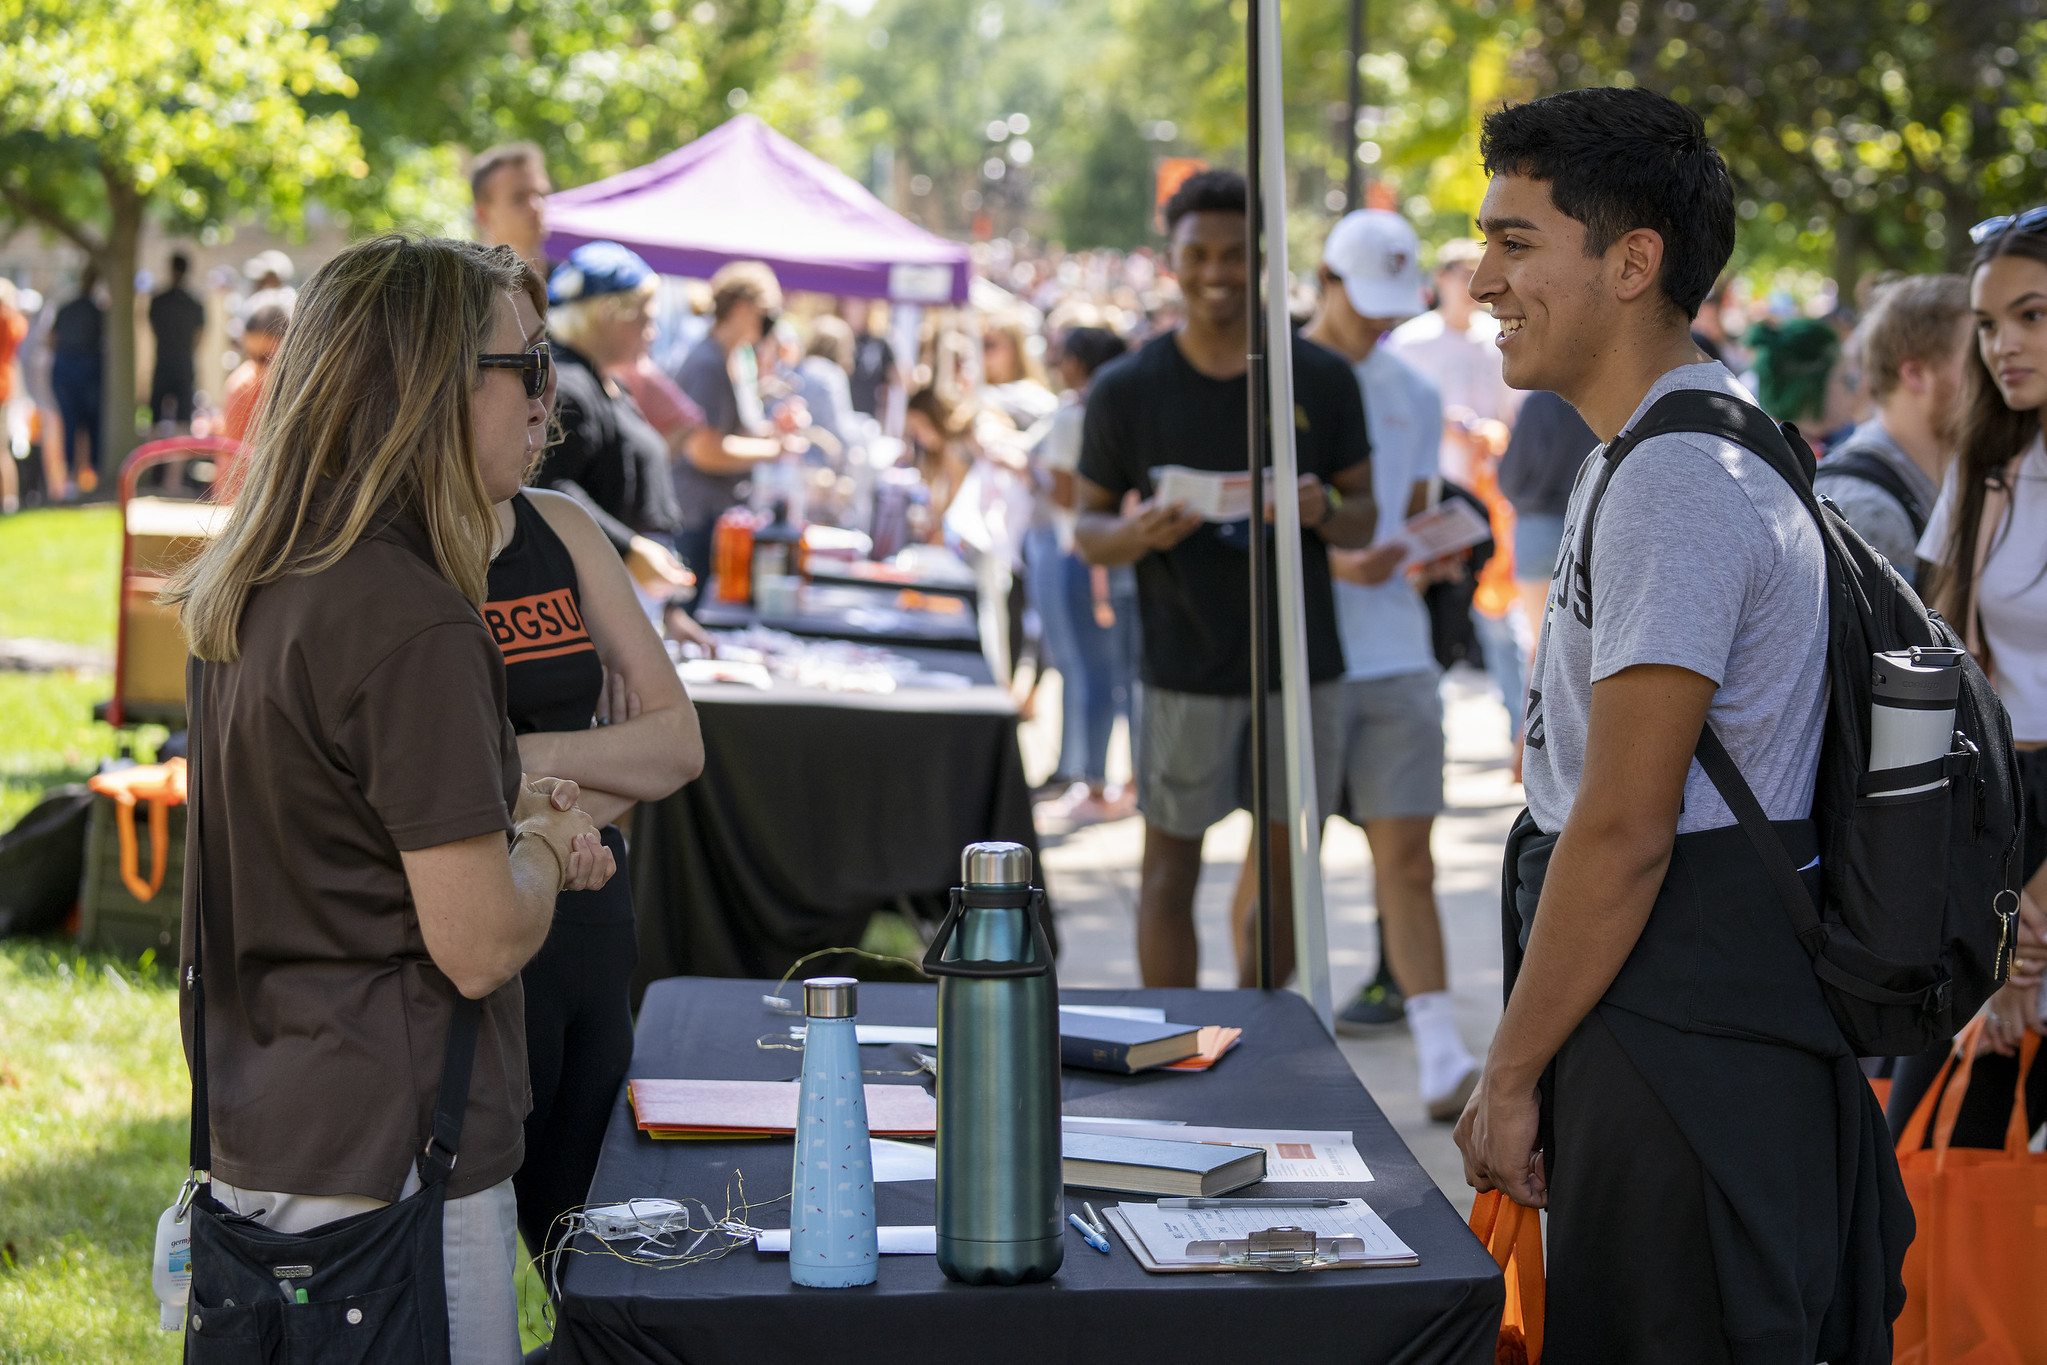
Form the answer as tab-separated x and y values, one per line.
831	997
1916	675
995	864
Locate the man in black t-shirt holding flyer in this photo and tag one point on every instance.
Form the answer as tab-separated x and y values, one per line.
1182	400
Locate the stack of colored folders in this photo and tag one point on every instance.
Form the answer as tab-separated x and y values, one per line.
1216	1040
751	1109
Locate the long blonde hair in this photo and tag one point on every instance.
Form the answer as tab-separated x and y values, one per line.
367	410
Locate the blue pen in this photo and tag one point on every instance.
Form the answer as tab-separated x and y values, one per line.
1093	1238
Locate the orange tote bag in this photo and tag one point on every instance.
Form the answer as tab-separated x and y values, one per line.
1976	1275
1513	1234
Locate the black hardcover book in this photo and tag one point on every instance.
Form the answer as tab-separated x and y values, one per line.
1103	1043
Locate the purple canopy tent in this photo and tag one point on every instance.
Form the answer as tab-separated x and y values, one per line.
743	192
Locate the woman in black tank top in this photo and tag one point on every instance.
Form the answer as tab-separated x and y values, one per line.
594	698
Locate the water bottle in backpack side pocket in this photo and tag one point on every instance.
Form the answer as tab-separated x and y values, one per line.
1911	713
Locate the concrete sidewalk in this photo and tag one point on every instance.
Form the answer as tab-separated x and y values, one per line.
1092	874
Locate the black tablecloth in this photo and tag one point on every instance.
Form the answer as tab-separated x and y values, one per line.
742	1309
867	614
816	809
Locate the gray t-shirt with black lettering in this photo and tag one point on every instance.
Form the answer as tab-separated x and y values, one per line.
1704	558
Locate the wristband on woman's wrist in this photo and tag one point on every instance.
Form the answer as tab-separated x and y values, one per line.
561	864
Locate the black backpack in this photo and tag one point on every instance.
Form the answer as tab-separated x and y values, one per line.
1917	922
1860	462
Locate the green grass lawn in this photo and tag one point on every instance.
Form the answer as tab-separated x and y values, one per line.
64	564
48	736
91	1148
93	1088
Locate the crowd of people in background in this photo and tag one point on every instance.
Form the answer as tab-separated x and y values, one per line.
677	403
622	420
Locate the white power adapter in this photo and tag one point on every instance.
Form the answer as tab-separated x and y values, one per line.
636	1218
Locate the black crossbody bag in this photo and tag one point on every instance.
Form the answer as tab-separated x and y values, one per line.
367	1288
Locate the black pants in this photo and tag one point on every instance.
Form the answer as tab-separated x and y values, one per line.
1987	1108
1628	1261
579	1042
170	396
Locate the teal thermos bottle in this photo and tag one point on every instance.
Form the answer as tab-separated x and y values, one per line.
831	1207
1001	1203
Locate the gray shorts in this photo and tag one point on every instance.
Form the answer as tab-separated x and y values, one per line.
1393	746
1194	756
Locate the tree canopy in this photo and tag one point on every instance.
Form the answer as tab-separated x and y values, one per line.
217	112
111	110
1860	131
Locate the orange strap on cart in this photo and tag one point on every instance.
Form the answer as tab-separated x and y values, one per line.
161	785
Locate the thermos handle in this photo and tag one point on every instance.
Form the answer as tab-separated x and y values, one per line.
964	899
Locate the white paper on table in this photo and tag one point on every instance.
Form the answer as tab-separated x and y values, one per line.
1441	530
1209	495
1166	1232
881	1035
895	1160
1146	1013
1293	1156
894	1241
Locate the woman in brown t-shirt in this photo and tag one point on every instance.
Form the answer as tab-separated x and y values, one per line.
357	776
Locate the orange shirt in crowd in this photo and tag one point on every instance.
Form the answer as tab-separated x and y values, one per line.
13	327
241	400
240	397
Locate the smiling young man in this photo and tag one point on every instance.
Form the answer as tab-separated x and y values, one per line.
1666	1078
1182	400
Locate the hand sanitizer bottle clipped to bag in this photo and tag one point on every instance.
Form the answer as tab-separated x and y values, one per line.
1001	1200
832	1239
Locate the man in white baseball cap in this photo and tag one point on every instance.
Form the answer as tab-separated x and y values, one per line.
1371	282
1376	257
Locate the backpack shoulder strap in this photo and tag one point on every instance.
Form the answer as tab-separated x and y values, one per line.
1710	414
1755	824
1860	462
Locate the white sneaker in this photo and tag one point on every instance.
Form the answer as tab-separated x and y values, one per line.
1448	1107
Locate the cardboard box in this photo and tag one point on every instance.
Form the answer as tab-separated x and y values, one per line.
153	652
165	533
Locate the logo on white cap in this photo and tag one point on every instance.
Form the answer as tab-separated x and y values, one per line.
1378	258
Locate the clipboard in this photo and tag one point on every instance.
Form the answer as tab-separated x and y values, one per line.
1275	1250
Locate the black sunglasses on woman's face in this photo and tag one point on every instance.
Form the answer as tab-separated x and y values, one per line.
533	366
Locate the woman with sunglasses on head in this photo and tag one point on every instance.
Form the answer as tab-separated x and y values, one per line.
593	698
1986	546
366	854
609	457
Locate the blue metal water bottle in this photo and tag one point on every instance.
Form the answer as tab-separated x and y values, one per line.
1001	1202
831	1208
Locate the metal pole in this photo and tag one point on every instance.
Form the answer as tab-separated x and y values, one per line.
1299	810
1258	435
1353	169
